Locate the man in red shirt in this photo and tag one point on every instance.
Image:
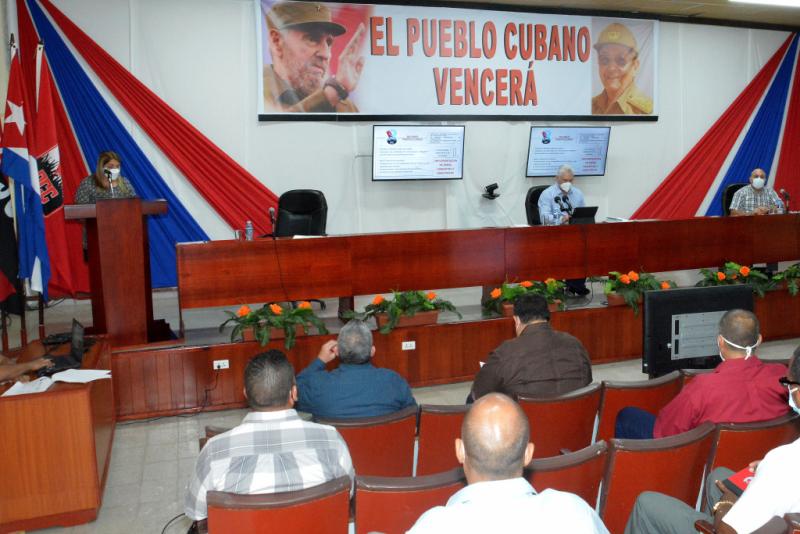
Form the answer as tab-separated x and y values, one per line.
742	389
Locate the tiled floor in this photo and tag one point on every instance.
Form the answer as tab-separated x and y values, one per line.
152	461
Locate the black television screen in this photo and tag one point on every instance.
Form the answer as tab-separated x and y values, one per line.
583	148
681	326
417	152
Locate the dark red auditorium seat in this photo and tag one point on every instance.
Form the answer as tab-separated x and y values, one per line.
439	426
578	472
738	444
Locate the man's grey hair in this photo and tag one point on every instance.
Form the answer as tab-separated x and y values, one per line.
565	169
355	343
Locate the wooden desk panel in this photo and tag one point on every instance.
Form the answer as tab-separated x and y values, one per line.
326	268
426	260
544	251
772	236
612	247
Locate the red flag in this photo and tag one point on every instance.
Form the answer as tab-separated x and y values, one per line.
45	149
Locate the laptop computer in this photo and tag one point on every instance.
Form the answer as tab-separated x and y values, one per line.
75	357
583	215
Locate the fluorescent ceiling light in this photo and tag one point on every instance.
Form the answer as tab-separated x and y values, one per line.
781	3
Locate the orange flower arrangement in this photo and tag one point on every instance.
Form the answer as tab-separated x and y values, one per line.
526	284
634	276
305	305
262	321
721	276
496	292
631	286
733	273
431	295
549	281
244	310
744	270
665	285
625	279
378	299
402	303
277	310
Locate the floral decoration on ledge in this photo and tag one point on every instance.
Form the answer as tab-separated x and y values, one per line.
732	273
502	298
621	289
399	310
273	321
789	277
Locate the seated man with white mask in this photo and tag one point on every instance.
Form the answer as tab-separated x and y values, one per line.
556	205
757	198
742	389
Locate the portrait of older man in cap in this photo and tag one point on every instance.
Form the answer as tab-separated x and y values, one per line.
300	39
618	63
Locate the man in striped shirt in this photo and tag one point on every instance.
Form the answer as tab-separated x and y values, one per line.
273	450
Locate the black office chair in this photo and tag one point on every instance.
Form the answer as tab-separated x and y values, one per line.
301	212
532	204
727	197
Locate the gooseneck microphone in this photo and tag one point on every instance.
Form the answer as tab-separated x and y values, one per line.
786	198
272	220
110	183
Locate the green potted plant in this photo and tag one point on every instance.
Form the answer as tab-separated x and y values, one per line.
406	308
621	289
501	299
734	273
272	321
789	277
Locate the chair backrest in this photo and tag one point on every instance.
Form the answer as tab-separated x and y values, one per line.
211	431
532	204
385	504
727	196
292	511
674	466
738	444
439	426
380	446
579	472
301	212
563	422
650	395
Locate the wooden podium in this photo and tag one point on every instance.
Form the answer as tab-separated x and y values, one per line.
119	269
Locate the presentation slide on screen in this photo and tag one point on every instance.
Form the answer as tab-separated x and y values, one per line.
417	152
583	149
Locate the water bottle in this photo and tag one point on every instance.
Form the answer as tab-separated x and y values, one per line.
248	230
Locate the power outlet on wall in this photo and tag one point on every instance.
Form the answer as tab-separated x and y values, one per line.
409	345
221	364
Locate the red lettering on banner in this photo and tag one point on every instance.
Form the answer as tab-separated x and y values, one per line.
391	48
440	79
375	34
474	52
471	87
487	97
456	98
530	88
502	85
541	42
445	38
555	45
525	41
47	188
511	50
584	44
515	93
460	38
489	33
429	37
412	35
568	41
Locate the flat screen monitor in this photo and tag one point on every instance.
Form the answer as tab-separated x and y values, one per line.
417	153
582	148
681	326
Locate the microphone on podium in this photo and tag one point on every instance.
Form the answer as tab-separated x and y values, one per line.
786	198
272	220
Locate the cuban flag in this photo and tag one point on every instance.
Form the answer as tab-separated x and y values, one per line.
20	166
760	129
99	105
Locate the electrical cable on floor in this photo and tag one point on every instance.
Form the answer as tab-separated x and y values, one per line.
197	411
163	530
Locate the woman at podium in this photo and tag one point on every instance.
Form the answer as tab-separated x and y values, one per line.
105	182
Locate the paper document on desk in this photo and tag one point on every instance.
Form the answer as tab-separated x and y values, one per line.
34	386
81	376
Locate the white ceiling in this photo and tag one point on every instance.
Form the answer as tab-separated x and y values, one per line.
708	9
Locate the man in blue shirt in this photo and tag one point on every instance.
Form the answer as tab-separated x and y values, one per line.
556	205
356	388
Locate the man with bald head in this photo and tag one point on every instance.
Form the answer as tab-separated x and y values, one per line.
494	447
756	198
742	389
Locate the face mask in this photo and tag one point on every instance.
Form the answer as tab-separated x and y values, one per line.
793	404
565	186
758	183
114	173
748	350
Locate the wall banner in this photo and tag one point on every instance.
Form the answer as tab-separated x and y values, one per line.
359	60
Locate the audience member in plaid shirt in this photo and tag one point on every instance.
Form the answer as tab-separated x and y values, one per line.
273	450
757	198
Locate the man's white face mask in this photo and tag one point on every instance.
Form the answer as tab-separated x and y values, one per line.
565	186
758	183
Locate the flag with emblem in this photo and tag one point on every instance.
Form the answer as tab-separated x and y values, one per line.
48	162
19	165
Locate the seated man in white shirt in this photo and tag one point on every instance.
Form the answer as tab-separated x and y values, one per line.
494	448
273	450
773	491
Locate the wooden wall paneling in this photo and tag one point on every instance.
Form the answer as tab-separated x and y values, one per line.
545	251
775	238
720	239
609	334
479	340
315	267
426	260
778	314
611	247
666	246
